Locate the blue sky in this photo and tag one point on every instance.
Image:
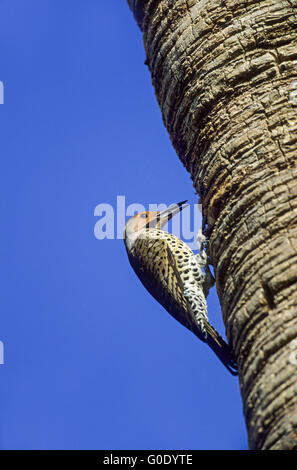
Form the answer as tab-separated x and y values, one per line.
91	360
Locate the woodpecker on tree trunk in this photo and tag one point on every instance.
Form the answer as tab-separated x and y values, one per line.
173	275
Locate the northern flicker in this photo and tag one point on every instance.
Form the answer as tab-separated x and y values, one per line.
173	275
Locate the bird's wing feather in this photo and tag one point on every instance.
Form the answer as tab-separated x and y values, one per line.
154	264
180	284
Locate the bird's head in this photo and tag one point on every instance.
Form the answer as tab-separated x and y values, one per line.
148	220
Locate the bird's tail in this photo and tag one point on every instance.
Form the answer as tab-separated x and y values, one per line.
221	349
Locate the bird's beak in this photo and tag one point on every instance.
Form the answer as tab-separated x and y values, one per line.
163	217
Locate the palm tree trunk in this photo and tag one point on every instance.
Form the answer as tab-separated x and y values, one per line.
225	76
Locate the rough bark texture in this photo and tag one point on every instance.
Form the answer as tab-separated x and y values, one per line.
225	76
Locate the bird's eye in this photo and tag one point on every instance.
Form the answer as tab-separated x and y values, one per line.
144	216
